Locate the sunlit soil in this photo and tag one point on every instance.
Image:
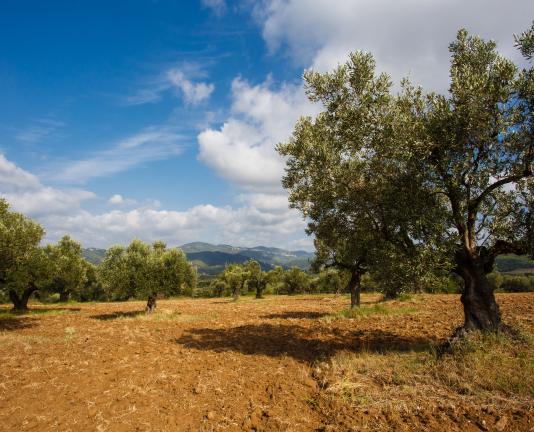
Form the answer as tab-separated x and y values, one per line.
299	363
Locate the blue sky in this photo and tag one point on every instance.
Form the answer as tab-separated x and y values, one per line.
158	119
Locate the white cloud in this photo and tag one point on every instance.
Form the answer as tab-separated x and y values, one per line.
151	144
28	195
218	7
116	199
119	200
245	225
243	149
193	93
407	37
183	79
258	219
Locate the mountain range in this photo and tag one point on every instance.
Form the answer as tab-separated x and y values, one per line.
211	259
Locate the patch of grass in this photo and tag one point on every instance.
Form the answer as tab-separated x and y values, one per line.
164	315
69	333
11	338
11	313
367	311
404	297
481	368
491	363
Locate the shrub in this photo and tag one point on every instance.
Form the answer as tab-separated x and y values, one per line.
517	284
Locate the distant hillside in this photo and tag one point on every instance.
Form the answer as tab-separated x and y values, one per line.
94	255
211	259
515	264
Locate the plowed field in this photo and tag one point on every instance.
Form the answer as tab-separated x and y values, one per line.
278	364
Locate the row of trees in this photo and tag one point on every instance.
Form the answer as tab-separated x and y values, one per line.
241	279
411	185
137	271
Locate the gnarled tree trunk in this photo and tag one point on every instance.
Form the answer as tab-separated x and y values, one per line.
150	304
259	290
64	296
481	311
21	303
355	288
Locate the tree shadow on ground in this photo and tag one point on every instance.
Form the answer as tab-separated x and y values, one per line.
302	343
117	315
295	315
16	323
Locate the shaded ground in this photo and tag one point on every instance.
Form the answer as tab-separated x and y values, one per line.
209	365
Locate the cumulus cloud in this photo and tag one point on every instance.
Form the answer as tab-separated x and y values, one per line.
28	195
151	144
246	225
257	219
407	37
117	199
242	150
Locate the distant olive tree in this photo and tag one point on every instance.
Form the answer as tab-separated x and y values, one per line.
68	271
146	271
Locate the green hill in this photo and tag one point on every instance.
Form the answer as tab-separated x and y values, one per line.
94	255
515	264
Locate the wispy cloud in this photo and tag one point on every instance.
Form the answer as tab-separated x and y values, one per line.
151	144
39	130
184	80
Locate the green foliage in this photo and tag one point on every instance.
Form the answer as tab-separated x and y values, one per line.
525	42
517	283
141	270
24	267
235	277
295	281
329	281
67	268
92	289
495	280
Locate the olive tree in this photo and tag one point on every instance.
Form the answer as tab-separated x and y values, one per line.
351	202
23	264
446	177
67	267
235	276
257	279
142	270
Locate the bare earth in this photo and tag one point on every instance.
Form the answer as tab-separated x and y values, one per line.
214	365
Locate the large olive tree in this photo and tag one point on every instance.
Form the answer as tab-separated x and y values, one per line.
443	177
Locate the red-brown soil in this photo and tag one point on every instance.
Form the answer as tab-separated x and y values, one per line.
222	366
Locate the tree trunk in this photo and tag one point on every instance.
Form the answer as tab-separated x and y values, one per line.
21	303
355	289
64	296
481	311
258	292
150	304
